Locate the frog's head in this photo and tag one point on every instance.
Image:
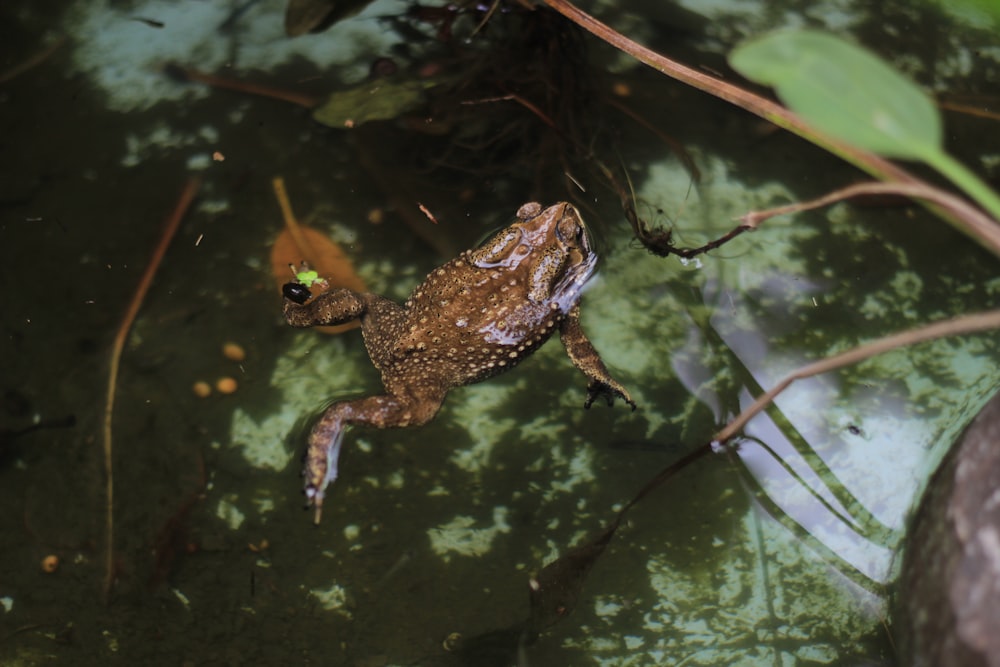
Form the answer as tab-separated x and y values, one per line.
547	251
561	259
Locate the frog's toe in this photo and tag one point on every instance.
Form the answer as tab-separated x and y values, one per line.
609	392
314	500
594	390
628	399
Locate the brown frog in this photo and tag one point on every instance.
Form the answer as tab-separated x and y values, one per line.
477	316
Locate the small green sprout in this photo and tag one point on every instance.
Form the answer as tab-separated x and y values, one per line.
305	275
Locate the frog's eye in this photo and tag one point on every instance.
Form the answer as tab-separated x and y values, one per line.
529	211
296	292
568	231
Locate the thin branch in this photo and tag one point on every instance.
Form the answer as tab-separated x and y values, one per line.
291	223
969	218
674	145
969	110
964	324
181	73
173	222
33	61
875	165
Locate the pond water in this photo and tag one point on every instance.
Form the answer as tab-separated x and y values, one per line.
780	549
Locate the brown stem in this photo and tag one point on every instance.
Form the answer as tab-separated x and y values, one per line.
964	324
173	222
281	194
33	61
190	74
969	110
967	217
775	113
671	143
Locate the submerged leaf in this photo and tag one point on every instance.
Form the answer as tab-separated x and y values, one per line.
381	99
844	90
304	16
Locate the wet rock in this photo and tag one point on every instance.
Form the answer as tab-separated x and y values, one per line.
948	602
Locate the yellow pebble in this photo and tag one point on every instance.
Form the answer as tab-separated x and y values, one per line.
50	563
233	351
225	385
201	389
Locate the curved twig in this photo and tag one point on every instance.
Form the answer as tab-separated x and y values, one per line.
33	61
173	222
964	324
972	221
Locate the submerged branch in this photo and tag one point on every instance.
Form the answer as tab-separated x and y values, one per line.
33	61
173	222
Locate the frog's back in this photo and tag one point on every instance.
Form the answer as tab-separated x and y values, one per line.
467	323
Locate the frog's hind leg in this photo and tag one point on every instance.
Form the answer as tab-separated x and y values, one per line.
583	355
327	435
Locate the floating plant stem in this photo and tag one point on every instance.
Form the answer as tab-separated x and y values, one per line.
33	61
173	222
964	324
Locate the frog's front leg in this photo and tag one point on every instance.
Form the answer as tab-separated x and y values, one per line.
327	435
337	306
583	355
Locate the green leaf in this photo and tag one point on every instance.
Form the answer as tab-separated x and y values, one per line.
383	99
845	91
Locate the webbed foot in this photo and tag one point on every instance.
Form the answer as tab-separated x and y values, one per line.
610	390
